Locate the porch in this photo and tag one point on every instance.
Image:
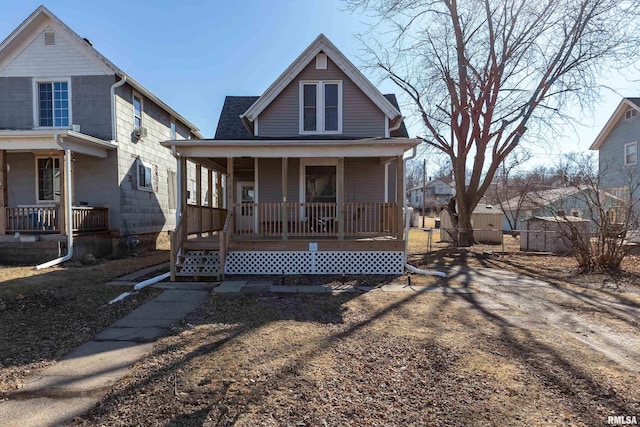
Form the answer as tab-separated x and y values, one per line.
49	219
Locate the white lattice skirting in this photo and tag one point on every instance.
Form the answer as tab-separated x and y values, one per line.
322	262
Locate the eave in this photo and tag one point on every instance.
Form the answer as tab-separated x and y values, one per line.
45	139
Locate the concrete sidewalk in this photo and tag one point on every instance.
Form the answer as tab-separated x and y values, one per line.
73	385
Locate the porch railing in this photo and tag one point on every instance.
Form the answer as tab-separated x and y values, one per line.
360	219
204	219
47	219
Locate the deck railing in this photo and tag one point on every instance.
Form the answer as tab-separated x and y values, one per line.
47	219
360	219
209	219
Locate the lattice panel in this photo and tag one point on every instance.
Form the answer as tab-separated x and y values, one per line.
203	262
324	262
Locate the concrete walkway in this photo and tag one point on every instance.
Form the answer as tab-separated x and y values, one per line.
76	383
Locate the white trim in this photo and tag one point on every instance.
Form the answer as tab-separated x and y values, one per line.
304	162
255	190
173	131
36	105
320	44
134	95
255	127
238	200
387	132
629	144
320	107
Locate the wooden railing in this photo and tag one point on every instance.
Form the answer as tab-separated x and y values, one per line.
225	234
32	219
85	218
204	219
361	219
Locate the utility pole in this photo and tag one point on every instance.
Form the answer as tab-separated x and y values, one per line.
424	189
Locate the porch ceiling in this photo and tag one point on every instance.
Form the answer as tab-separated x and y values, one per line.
209	148
30	140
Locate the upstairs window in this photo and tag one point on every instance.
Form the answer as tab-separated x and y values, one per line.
630	113
137	110
173	129
53	108
320	107
630	153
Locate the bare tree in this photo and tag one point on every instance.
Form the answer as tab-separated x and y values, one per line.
482	73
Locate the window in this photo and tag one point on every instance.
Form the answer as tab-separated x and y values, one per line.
48	176
173	129
53	109
320	107
145	176
630	153
171	182
137	110
630	113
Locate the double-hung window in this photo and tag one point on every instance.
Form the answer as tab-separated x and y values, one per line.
631	153
48	177
137	110
52	104
145	176
320	107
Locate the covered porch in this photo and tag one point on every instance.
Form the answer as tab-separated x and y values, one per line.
34	168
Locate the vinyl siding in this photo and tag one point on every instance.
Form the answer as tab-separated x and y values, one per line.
91	104
16	103
611	154
360	116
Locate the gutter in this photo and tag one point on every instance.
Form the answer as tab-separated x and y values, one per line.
114	136
67	208
408	266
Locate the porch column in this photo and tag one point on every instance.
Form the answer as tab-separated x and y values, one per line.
63	197
285	209
340	199
183	187
3	191
230	195
219	200
400	196
199	198
210	198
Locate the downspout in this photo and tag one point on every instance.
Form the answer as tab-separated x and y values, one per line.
114	129
67	207
179	187
141	285
407	266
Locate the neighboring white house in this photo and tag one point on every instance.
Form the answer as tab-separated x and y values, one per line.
436	193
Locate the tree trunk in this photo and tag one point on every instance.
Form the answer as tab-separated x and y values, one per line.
465	231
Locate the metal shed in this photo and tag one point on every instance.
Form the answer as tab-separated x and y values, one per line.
547	234
486	221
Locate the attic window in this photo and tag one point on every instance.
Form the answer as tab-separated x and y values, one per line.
321	61
630	113
49	38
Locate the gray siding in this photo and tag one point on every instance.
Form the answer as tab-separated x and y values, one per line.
360	116
95	183
363	180
270	180
16	103
611	154
21	189
391	184
91	104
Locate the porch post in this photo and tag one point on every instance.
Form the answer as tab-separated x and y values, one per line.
399	195
285	208
63	198
340	199
230	195
210	198
199	197
3	191
219	192
183	187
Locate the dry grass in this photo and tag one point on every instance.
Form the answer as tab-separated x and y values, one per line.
44	314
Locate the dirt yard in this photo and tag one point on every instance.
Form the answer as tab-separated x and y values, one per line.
505	340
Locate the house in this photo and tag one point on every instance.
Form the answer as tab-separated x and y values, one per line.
313	175
435	193
79	146
485	220
570	201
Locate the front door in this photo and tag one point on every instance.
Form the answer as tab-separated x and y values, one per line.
245	197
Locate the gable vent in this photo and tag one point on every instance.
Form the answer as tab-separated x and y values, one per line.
321	61
49	38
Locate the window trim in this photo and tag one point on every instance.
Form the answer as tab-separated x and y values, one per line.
36	105
173	129
304	162
37	186
629	144
320	107
142	163
630	113
135	95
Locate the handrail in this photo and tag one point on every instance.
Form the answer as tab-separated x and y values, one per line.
224	242
176	238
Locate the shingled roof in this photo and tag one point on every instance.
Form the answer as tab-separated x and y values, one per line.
230	127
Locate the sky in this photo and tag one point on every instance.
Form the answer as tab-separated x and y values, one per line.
192	53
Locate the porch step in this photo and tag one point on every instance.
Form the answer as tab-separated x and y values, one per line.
201	244
198	263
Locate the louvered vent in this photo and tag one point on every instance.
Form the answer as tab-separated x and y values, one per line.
49	38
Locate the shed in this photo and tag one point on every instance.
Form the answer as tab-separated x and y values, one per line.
547	233
486	221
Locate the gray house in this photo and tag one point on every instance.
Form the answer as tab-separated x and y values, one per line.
435	193
313	175
79	144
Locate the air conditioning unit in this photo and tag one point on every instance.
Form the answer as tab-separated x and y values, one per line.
140	131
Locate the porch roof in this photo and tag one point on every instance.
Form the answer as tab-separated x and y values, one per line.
45	139
368	147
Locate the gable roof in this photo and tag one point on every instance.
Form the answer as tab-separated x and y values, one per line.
38	16
320	44
432	183
538	199
231	127
624	105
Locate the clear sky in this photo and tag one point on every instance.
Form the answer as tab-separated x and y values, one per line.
192	53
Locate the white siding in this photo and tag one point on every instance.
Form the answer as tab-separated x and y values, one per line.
62	59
